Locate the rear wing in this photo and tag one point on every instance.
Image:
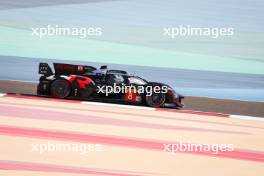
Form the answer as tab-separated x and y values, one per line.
44	69
67	69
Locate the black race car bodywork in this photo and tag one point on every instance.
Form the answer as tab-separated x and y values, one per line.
89	83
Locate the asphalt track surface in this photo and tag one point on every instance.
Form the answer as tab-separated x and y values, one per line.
132	140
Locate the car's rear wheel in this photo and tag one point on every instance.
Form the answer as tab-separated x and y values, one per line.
60	88
156	100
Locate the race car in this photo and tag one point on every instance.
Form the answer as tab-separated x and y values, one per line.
89	83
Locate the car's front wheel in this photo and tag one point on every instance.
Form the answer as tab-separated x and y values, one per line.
60	88
156	100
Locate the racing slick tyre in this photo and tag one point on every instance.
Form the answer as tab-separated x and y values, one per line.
60	88
156	100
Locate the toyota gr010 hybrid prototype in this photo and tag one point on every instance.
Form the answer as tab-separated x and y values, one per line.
90	83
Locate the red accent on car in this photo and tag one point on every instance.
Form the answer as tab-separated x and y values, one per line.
83	81
72	78
65	67
80	68
131	97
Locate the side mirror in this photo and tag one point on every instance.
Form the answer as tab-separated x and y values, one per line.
103	67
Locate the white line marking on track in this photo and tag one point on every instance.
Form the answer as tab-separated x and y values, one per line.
2	94
246	117
117	105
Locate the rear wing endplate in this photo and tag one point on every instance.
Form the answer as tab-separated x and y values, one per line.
44	69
